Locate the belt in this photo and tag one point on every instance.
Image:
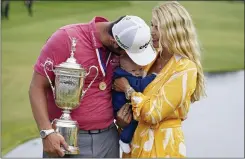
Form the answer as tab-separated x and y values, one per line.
96	131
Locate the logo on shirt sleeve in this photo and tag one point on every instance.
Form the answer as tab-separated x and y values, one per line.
49	66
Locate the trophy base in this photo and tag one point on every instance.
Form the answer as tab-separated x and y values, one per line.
73	151
69	130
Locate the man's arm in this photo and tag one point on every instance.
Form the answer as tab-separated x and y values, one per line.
124	116
38	100
54	50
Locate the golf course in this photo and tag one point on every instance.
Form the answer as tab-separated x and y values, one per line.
220	28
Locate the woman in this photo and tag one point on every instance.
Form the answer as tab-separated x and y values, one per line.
165	102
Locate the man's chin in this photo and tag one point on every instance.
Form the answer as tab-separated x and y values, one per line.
116	53
112	51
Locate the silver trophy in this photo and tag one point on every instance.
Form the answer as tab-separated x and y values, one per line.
68	93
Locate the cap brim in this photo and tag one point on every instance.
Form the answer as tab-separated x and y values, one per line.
143	58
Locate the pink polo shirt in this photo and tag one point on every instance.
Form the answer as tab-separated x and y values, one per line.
95	110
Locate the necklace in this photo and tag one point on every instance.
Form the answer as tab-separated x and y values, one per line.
162	62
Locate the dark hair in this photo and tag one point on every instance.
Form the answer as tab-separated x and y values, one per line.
113	23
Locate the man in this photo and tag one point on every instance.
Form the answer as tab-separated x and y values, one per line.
29	4
5	5
98	136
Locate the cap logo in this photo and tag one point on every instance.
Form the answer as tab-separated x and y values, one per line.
145	45
121	44
127	18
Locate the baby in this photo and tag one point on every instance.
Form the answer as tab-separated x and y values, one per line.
134	74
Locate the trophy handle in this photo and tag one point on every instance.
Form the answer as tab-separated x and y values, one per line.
50	82
97	72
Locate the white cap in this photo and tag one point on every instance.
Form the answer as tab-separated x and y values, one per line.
133	35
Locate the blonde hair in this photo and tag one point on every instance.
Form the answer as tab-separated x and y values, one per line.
178	35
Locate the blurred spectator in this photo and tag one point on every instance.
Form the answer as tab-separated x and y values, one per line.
5	9
28	4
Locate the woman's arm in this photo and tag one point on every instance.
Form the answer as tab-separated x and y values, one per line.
155	107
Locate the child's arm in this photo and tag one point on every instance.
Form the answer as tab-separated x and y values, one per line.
118	100
145	81
139	84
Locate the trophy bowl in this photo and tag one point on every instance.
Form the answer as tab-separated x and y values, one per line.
68	87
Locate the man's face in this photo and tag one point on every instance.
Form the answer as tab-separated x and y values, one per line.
114	48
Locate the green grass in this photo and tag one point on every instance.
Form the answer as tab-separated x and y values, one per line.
220	26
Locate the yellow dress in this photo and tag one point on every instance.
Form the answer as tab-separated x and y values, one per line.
159	110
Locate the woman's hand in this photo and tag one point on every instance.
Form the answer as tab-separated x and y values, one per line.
120	84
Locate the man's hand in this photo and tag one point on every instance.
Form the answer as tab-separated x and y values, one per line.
124	116
121	84
52	145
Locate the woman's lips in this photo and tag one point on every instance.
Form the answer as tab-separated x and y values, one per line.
154	41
